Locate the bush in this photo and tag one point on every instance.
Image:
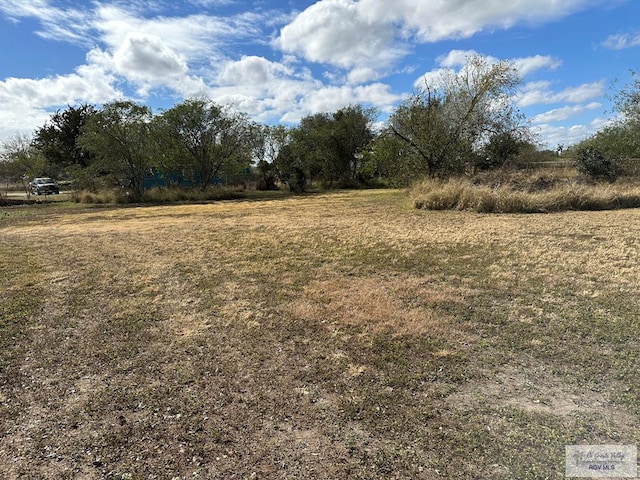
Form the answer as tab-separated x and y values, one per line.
458	194
165	195
103	196
593	163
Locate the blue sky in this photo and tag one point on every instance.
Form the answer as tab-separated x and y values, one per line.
281	60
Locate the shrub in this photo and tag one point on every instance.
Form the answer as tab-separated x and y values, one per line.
458	194
594	164
168	195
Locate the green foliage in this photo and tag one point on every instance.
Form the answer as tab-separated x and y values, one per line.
19	160
326	148
447	123
204	138
291	169
350	134
86	178
392	159
627	99
266	176
57	139
119	136
593	163
614	150
423	125
502	149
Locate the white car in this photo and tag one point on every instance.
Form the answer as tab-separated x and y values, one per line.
44	186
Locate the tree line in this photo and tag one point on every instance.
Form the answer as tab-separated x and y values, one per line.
453	123
614	150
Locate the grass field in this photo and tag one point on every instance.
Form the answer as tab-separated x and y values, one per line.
342	335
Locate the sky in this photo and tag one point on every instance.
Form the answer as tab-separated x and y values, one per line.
281	60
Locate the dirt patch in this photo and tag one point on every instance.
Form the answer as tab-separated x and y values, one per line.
535	388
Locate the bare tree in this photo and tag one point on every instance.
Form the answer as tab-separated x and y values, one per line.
446	122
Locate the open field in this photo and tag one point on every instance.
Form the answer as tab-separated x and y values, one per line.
343	335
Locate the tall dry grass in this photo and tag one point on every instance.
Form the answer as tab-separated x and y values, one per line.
549	196
165	195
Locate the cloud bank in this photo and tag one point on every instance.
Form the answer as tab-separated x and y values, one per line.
272	63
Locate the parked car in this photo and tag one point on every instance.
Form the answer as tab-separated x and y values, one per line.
44	186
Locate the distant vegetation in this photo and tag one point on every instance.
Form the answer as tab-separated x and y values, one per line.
455	126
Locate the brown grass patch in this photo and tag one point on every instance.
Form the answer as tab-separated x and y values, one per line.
398	306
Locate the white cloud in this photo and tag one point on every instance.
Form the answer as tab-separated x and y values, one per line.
139	46
252	70
197	37
535	93
456	59
435	20
564	113
524	65
622	41
553	135
528	65
581	93
335	32
332	98
57	24
287	95
88	84
361	75
432	78
24	124
27	103
211	3
352	34
147	59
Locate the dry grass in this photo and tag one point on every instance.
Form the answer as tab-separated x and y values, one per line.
344	335
547	194
171	195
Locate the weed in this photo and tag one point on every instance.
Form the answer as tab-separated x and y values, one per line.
542	195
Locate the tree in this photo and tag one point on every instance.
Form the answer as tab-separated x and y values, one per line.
118	135
621	139
447	122
20	160
422	124
57	139
309	146
207	139
627	100
391	159
268	143
291	169
593	163
352	133
502	149
329	147
614	150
